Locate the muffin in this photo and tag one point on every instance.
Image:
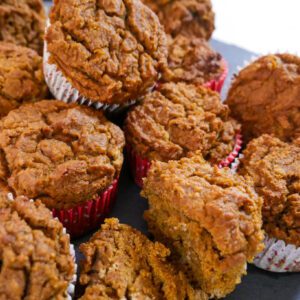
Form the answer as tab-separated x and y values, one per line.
106	54
66	155
36	256
265	95
192	60
210	219
120	263
275	168
22	22
178	119
189	17
21	77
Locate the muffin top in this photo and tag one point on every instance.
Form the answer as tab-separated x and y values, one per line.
21	77
264	97
224	204
22	22
192	60
120	263
35	253
111	51
60	153
275	168
178	119
189	17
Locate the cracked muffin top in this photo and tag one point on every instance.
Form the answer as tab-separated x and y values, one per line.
178	119
60	153
120	262
192	60
21	77
189	17
275	168
265	97
224	204
111	51
35	254
22	22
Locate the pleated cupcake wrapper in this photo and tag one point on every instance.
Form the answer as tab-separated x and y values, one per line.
71	287
63	90
87	216
217	84
140	166
278	257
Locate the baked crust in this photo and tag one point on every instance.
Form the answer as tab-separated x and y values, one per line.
60	153
120	263
265	95
178	119
210	219
111	51
275	169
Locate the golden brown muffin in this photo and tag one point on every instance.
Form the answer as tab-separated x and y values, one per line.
60	153
120	262
192	60
275	169
111	51
210	219
35	254
188	17
178	119
21	77
265	97
22	22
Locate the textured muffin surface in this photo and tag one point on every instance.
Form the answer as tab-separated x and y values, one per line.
21	77
120	263
22	22
111	51
188	17
192	60
34	252
179	119
265	97
209	217
275	169
60	153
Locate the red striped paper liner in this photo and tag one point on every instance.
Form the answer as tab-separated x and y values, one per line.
87	216
140	166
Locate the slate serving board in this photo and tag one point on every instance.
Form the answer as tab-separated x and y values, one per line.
129	208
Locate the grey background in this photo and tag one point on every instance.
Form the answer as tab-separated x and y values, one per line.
129	208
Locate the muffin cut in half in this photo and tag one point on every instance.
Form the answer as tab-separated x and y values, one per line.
210	219
120	262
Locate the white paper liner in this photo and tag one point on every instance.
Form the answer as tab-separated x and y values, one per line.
71	287
62	89
235	165
278	257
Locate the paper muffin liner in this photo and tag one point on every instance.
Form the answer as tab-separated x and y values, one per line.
278	257
140	166
87	216
217	84
63	90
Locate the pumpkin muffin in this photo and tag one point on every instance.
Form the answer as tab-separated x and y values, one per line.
265	97
192	60
275	168
120	263
22	22
189	17
210	219
65	155
21	77
36	258
111	52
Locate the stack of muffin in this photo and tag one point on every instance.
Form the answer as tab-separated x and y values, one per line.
151	61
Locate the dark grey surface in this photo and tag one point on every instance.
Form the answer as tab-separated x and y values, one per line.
129	208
